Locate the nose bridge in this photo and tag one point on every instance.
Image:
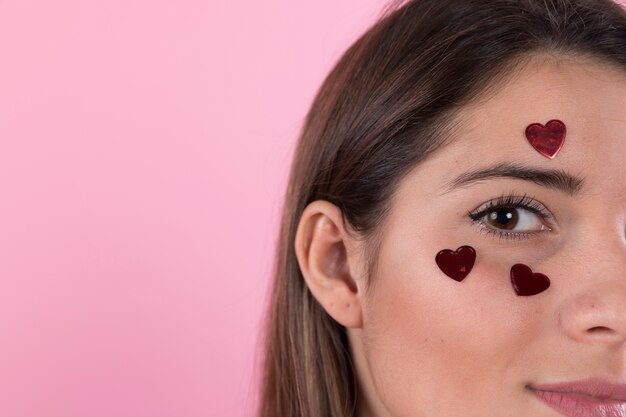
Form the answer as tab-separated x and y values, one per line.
607	249
601	243
595	308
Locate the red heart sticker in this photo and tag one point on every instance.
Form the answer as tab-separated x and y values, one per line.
547	140
456	264
526	282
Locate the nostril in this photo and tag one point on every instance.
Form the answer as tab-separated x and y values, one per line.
599	329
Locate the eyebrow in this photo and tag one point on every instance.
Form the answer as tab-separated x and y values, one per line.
557	179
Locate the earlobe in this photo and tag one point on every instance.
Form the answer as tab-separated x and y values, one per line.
321	246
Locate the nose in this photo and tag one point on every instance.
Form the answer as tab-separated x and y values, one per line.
595	309
597	316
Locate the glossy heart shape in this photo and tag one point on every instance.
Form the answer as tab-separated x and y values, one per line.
456	264
547	140
526	282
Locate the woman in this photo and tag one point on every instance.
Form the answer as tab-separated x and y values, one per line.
454	233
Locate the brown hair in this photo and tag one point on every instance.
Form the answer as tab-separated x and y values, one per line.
386	105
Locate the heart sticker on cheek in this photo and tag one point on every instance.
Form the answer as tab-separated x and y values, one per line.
456	264
526	282
547	140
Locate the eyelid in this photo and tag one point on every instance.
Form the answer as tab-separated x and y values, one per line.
512	201
503	234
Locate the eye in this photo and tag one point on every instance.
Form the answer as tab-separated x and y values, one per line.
512	217
515	218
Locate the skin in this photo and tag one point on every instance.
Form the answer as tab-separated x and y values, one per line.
425	345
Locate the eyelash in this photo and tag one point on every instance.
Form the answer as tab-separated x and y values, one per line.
510	202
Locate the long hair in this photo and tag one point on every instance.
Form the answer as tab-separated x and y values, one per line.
383	108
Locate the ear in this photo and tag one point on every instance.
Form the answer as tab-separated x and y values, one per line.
325	252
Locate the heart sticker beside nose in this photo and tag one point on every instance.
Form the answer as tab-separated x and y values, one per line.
456	264
526	282
547	140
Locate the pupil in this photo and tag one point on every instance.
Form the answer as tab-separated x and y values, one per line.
506	218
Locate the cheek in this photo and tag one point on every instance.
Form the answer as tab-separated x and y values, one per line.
430	339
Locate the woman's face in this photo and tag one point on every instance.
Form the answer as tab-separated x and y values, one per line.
431	346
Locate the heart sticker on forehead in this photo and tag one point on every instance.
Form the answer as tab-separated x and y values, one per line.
456	264
547	140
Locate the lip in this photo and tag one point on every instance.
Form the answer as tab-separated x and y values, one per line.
592	397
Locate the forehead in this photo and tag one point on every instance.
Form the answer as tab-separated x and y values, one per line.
588	96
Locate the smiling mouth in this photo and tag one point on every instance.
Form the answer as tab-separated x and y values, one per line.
585	398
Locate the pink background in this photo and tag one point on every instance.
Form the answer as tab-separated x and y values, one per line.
144	152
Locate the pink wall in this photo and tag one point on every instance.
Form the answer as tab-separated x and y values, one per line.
144	151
